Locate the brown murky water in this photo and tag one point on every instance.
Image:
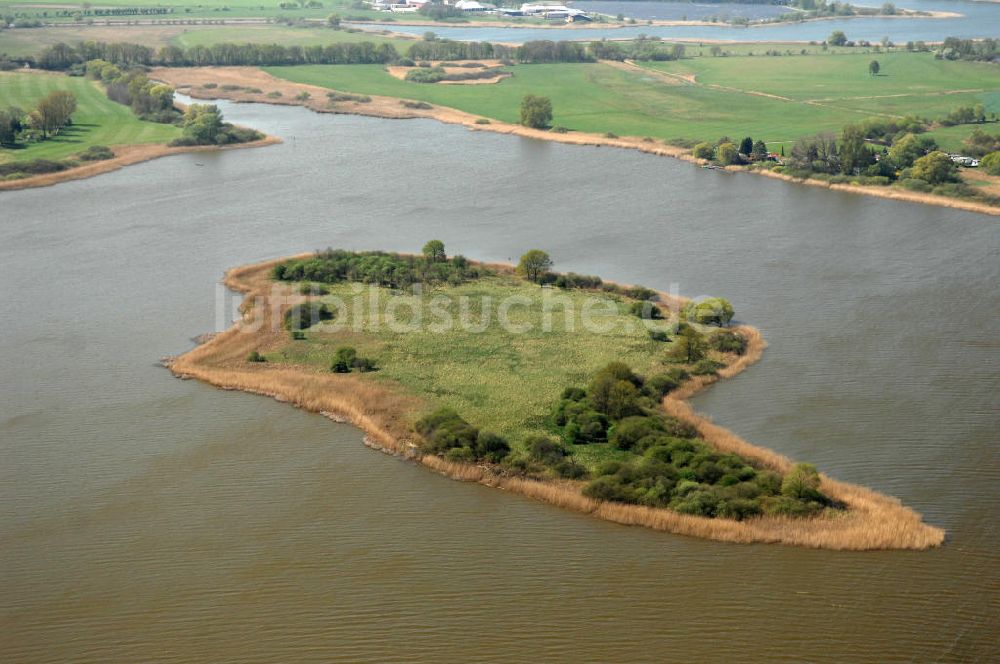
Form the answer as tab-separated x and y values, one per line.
148	519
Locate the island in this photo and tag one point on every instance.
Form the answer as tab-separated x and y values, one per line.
561	387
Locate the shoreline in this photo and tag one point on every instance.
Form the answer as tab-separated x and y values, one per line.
872	521
189	78
639	23
125	155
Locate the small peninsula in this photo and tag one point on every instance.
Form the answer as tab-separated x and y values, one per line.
558	386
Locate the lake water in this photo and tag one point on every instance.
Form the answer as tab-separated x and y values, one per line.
679	11
978	19
143	518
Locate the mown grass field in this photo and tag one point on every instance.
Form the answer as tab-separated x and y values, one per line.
97	120
501	381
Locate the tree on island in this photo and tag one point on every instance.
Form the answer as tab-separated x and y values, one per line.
534	264
434	251
689	346
746	146
202	123
759	151
802	482
711	311
536	112
837	38
874	68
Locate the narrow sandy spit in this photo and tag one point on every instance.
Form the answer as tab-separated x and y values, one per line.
871	521
125	155
190	79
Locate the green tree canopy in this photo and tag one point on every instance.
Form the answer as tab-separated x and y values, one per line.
689	346
801	482
536	112
203	122
727	154
854	153
837	38
874	68
434	251
534	264
711	311
991	163
704	151
909	148
935	168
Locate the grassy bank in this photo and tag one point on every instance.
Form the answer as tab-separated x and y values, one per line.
776	99
507	380
97	120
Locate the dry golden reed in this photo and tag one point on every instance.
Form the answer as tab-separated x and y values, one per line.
871	520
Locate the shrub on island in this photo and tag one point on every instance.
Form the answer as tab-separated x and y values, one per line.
376	267
307	314
347	360
446	433
668	465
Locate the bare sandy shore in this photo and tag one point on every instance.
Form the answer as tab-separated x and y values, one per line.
190	80
870	521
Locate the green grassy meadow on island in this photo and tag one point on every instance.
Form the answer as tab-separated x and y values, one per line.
503	382
561	380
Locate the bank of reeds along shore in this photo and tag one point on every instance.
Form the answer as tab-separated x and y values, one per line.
870	521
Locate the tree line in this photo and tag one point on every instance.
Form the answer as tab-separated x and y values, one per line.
63	56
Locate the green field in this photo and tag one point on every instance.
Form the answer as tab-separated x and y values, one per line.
483	375
97	120
31	42
724	98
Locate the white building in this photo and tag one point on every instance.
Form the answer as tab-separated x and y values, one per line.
473	6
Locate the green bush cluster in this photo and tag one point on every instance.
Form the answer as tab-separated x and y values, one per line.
347	96
97	153
571	280
669	465
305	315
347	360
255	356
727	341
375	267
445	432
689	477
710	311
310	288
616	400
438	74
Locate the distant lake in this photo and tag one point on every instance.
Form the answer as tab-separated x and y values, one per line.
978	19
679	11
